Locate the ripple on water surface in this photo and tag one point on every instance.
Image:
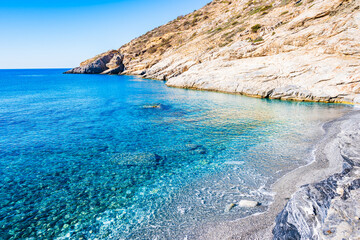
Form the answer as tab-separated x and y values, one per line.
104	157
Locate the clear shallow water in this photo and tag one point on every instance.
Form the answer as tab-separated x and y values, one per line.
118	157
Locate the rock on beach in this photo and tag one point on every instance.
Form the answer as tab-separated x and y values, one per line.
248	203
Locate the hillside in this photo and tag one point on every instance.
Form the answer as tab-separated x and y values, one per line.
306	50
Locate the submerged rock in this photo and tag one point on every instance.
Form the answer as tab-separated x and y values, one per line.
152	106
137	159
200	149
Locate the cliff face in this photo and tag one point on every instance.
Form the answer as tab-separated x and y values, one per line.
285	49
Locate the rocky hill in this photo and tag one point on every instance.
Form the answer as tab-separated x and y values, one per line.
306	50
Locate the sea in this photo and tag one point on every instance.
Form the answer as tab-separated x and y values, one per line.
120	157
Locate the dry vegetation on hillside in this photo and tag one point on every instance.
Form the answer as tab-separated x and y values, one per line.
210	28
306	50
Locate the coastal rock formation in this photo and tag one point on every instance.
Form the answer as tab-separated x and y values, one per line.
110	62
285	76
329	209
306	50
115	66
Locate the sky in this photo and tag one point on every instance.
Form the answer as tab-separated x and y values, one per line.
63	33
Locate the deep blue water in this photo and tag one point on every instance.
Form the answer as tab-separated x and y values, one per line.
119	157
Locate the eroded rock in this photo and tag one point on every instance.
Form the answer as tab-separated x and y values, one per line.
109	62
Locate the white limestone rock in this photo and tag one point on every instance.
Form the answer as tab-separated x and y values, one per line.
248	204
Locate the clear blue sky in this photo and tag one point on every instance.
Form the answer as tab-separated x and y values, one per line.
62	33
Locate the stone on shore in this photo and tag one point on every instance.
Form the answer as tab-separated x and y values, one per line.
248	203
229	207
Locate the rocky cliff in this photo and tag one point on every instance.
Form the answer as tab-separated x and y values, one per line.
306	50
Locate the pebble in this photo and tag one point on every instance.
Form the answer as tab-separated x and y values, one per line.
229	207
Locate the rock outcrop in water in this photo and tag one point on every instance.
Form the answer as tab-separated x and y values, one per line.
306	50
110	62
329	209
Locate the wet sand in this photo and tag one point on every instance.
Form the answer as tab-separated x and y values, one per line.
327	161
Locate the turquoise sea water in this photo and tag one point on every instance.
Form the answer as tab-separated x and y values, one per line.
119	157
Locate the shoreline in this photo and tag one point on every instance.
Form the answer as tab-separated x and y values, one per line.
290	99
328	161
282	96
323	166
328	209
